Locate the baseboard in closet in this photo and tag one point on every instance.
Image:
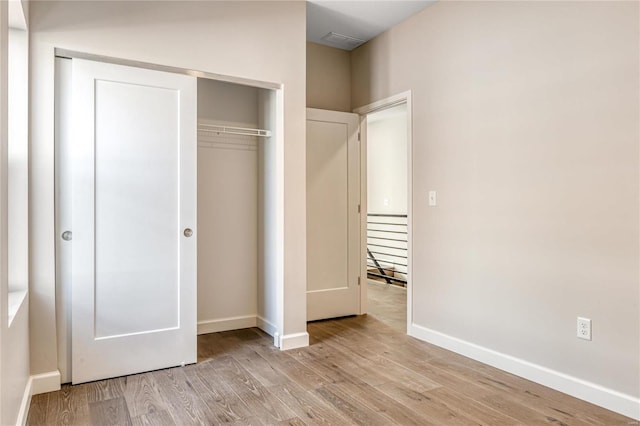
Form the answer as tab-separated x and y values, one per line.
226	324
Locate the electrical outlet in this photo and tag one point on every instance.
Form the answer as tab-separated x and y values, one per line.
584	328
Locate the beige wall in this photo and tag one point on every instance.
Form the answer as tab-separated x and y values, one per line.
526	122
260	40
328	78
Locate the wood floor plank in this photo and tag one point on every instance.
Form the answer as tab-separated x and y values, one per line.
156	418
474	410
235	375
264	405
382	369
250	391
307	405
291	368
382	404
334	367
227	407
438	411
259	367
103	389
110	412
296	421
141	394
68	406
38	409
183	404
357	412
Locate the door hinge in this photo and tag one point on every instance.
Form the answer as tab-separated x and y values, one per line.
358	208
358	280
358	135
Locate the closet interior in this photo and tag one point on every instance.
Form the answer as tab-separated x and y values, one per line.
234	132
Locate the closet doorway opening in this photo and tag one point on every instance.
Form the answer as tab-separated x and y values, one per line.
387	228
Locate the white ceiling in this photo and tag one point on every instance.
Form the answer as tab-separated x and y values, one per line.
361	19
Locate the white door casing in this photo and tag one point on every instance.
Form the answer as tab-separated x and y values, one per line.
333	214
133	195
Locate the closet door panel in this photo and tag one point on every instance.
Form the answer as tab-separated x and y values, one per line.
134	195
137	209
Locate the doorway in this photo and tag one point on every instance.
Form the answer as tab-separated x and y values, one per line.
387	221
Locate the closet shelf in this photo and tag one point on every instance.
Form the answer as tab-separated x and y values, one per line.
213	128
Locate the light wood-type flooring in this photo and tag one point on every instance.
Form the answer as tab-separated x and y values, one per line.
388	303
357	371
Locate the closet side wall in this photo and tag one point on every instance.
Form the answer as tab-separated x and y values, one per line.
270	223
227	208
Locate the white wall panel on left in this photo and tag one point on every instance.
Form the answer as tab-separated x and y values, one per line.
14	304
18	161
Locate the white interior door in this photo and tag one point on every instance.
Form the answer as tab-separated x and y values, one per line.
134	198
333	214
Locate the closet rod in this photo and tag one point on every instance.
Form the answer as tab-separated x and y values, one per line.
212	128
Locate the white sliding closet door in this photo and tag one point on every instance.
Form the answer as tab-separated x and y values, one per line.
133	178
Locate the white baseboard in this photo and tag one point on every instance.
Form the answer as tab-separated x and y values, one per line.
608	398
294	341
266	326
24	404
45	382
226	324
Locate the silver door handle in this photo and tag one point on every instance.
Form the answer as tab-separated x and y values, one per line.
67	236
188	232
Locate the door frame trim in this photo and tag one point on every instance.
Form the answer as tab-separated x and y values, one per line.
363	111
72	54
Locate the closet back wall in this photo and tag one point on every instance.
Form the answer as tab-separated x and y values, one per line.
227	208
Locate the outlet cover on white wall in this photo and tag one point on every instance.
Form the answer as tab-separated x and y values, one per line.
584	328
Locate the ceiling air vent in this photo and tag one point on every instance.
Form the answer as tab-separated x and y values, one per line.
342	41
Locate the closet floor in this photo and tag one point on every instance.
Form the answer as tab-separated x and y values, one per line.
357	370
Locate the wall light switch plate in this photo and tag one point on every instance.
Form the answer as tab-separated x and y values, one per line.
432	198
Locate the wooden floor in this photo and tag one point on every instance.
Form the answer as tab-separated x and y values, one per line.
388	303
357	370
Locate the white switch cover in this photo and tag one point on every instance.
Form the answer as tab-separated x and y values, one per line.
432	198
385	201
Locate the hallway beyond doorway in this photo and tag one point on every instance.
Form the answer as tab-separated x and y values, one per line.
388	304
